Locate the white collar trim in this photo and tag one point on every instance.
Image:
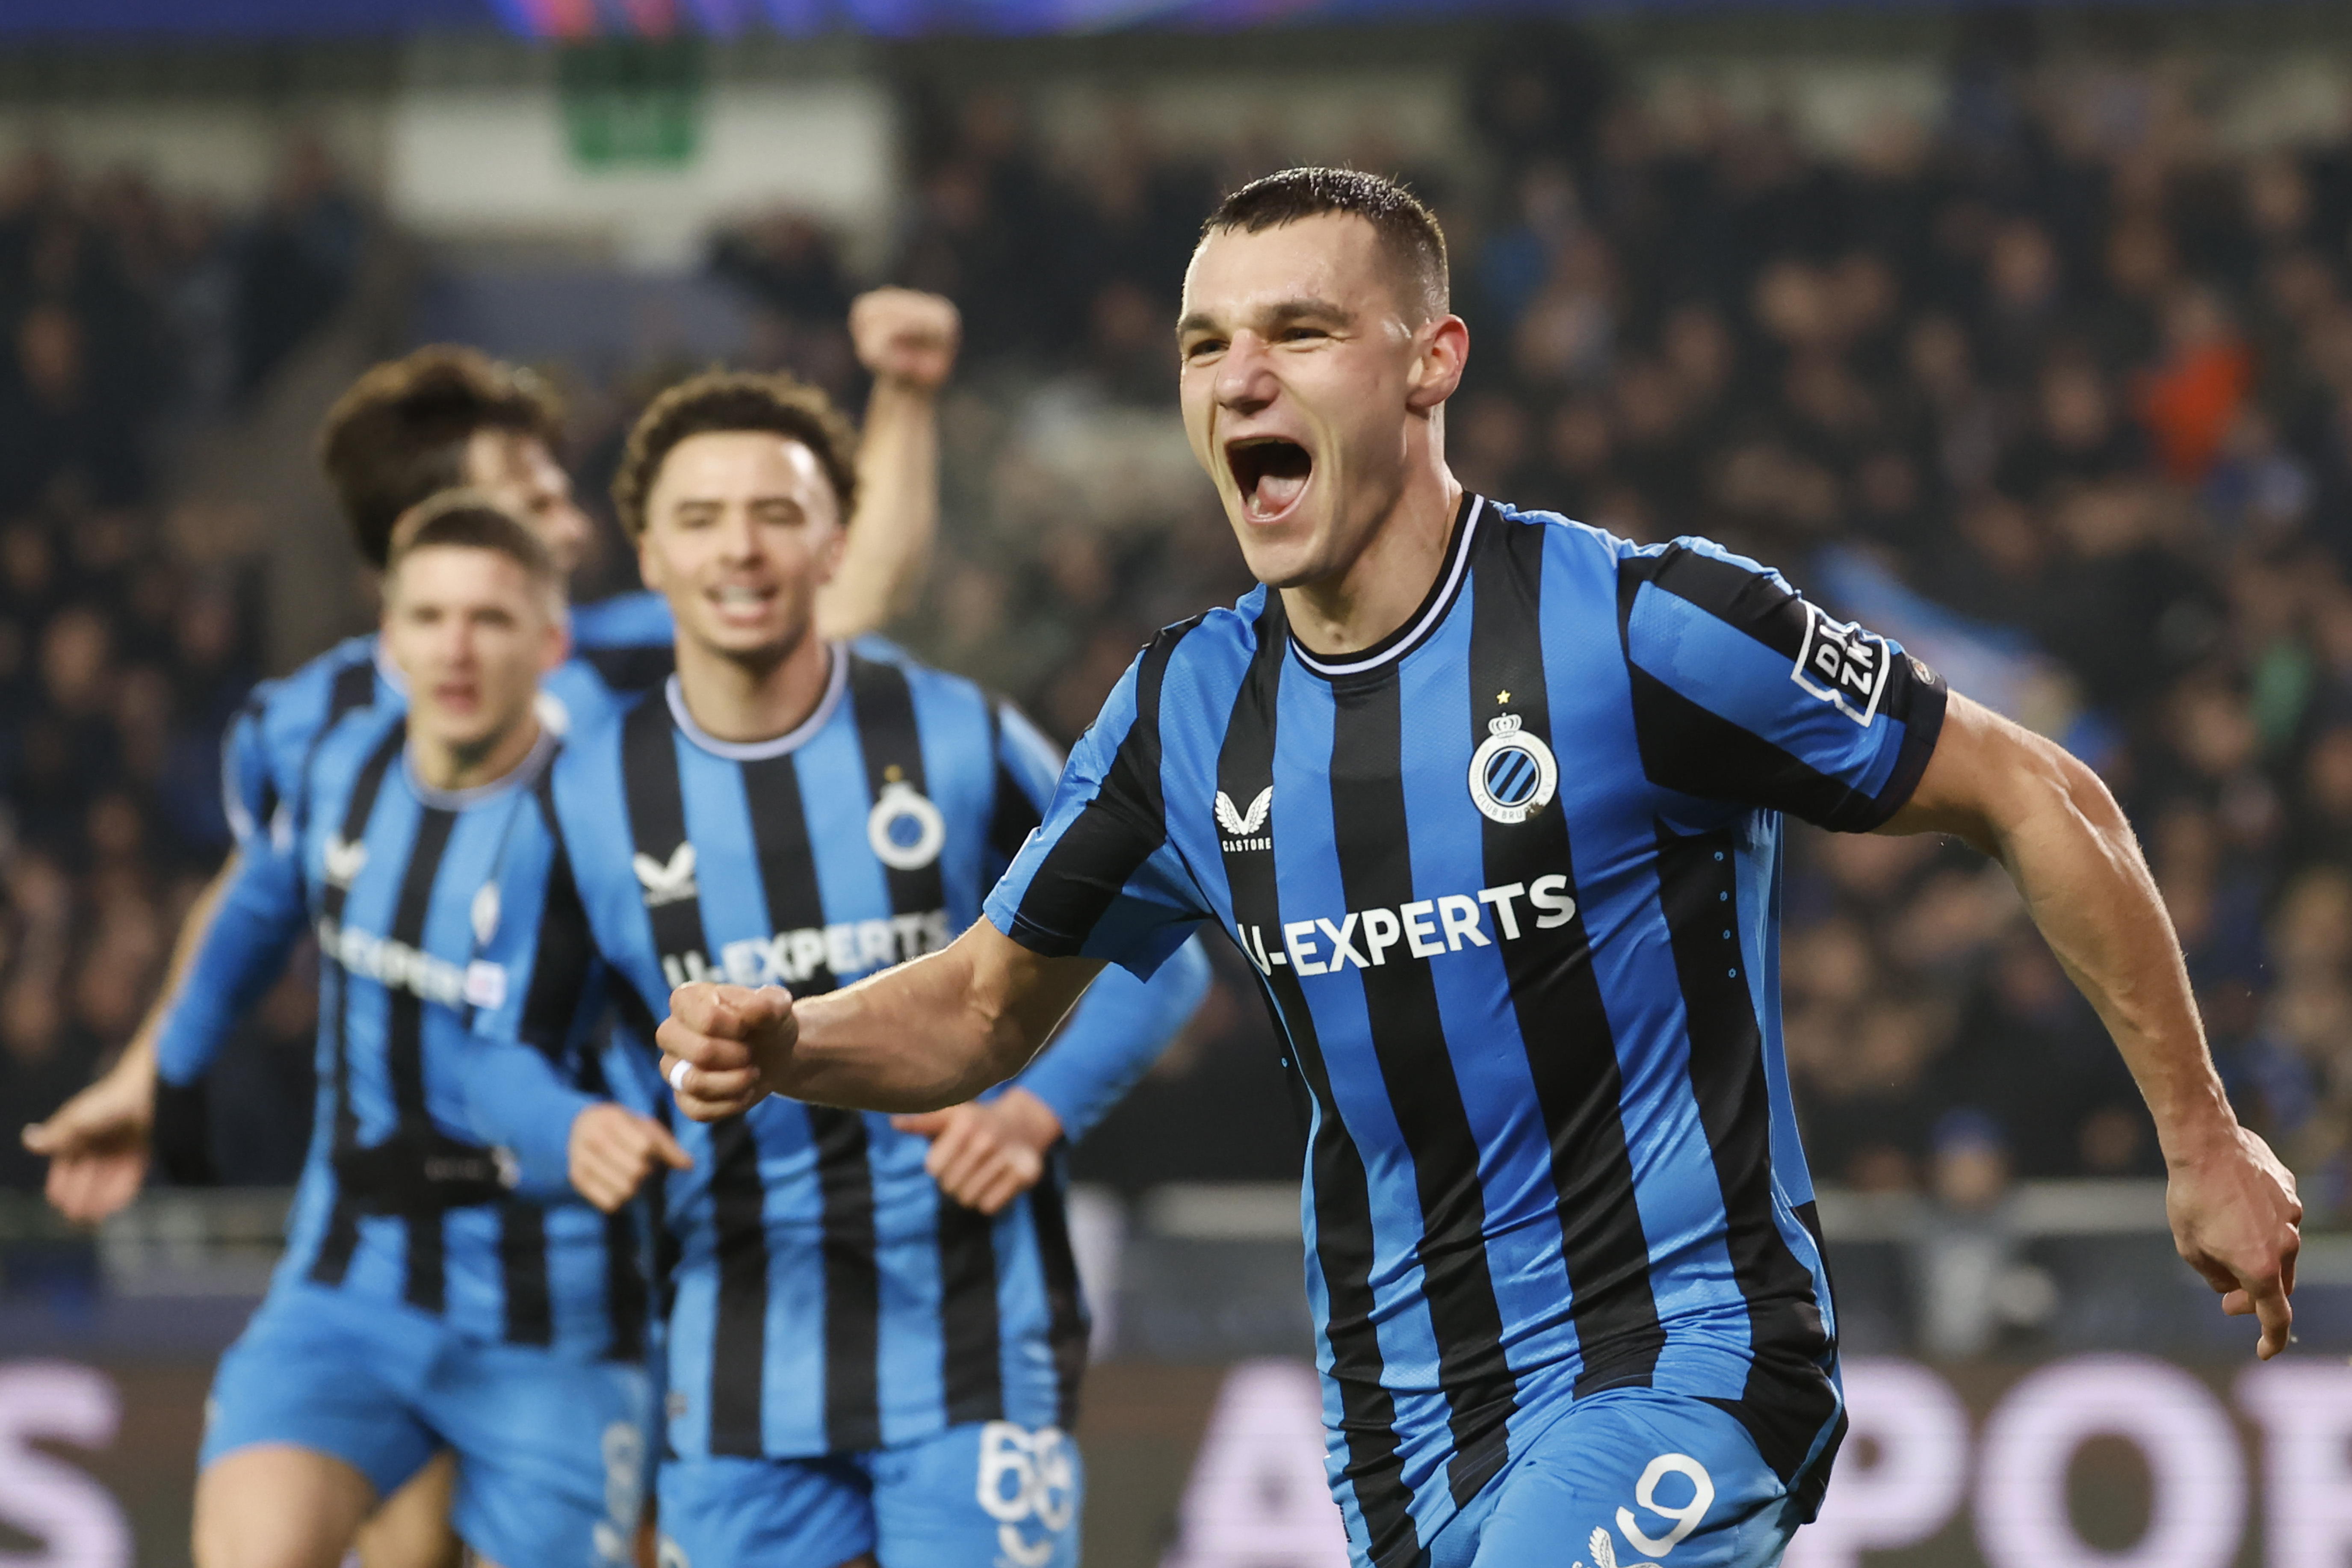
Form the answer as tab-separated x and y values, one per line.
785	745
1422	628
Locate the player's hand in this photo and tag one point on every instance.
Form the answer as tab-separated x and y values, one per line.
612	1150
906	336
725	1048
2234	1218
986	1152
97	1144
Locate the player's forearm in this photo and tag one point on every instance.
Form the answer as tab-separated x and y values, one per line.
138	1056
890	545
249	929
921	1037
2072	856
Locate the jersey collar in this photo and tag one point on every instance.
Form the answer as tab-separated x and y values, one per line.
520	776
836	683
1421	622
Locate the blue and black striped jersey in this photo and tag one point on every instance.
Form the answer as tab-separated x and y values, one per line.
823	1296
1510	881
425	903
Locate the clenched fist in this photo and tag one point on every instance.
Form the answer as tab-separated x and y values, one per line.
724	1047
905	336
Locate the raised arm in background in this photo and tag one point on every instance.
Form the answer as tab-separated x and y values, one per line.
907	341
2050	821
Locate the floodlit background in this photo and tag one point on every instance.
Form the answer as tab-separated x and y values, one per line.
2024	335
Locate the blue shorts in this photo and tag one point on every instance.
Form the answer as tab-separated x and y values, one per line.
1629	1475
551	1450
983	1493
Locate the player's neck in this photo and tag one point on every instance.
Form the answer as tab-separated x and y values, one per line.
442	765
1387	580
745	701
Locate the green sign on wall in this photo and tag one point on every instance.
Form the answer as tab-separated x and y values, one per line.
630	102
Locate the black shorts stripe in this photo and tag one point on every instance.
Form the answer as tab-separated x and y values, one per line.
343	1233
656	811
1066	1329
1374	1469
1374	837
1117	832
1556	994
845	1175
1789	1398
427	1285
522	1270
972	1358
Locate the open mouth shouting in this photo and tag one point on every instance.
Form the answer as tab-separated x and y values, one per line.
1271	472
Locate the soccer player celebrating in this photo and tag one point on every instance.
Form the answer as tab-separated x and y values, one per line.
1493	802
422	1301
874	1330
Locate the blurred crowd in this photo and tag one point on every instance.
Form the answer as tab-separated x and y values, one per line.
128	324
2055	390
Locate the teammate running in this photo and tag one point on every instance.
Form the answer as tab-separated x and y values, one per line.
447	415
1493	801
410	427
422	1301
874	1333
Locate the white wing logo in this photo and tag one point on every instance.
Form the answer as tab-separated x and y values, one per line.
1604	1550
1243	825
485	914
345	859
667	884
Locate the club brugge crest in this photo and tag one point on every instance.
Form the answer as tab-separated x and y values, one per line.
905	830
1512	774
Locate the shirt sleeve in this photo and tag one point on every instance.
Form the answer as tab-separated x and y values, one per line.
1099	879
1114	1037
253	928
1746	691
250	795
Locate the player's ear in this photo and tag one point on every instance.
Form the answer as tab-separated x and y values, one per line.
556	647
1441	353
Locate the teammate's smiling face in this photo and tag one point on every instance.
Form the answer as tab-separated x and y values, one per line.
742	529
1303	368
520	470
472	635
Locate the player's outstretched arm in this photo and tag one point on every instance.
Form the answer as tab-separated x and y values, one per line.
907	341
2047	817
925	1035
97	1142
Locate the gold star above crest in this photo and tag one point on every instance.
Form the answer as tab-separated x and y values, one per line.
893	774
1501	698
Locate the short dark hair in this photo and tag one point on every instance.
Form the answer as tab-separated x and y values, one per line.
725	400
1407	229
399	434
474	519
